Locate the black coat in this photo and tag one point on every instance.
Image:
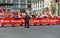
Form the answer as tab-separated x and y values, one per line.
27	18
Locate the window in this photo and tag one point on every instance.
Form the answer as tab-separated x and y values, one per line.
15	1
15	6
22	10
59	5
3	1
29	6
29	1
0	1
23	6
8	1
22	1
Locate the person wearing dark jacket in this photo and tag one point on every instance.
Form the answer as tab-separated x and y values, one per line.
27	18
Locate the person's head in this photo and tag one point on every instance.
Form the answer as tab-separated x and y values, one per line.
47	8
8	10
26	13
0	5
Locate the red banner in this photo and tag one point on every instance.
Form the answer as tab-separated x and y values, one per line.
11	21
31	21
44	20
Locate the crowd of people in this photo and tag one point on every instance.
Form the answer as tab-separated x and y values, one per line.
9	14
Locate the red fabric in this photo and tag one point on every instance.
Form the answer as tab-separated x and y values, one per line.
32	21
0	8
11	21
46	12
44	21
56	1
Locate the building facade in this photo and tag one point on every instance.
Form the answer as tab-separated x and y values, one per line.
40	5
59	7
37	6
16	5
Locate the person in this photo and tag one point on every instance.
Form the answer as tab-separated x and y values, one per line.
23	15
15	16
1	8
27	17
46	12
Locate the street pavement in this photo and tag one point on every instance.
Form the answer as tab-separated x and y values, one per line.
51	31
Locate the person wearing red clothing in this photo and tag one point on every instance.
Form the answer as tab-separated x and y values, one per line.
46	12
6	14
23	15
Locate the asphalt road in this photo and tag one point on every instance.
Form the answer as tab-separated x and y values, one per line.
52	31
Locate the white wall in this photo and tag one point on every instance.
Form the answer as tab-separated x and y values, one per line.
47	3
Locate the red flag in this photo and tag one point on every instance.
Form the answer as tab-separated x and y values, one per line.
56	1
